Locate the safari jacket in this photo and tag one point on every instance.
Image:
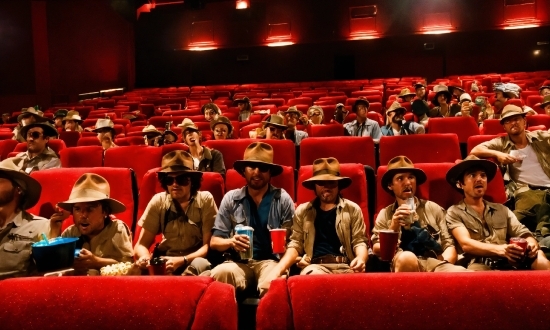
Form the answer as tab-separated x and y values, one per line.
46	160
211	161
350	228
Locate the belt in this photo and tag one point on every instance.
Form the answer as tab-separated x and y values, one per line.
330	259
538	187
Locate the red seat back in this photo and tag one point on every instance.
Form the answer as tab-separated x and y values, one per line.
537	120
491	127
139	158
420	148
70	138
463	127
341	148
58	182
86	156
474	140
233	180
6	146
88	141
334	129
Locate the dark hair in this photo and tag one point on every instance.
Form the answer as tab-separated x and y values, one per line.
195	182
211	106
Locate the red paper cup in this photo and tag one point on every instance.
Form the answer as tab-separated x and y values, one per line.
521	242
158	267
388	244
278	240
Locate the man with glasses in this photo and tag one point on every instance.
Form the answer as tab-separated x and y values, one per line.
328	233
38	155
293	116
182	214
525	155
362	126
258	205
274	127
482	228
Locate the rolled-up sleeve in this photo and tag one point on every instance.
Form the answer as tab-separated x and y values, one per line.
446	238
381	223
516	228
297	236
358	236
209	212
452	218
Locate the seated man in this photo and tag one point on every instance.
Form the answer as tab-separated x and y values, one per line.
482	228
544	91
545	105
210	111
273	128
27	117
362	126
466	106
245	108
293	116
420	91
258	205
510	91
151	135
425	245
441	102
103	239
396	124
316	115
420	109
406	95
105	133
38	155
221	128
204	158
182	214
341	113
18	228
525	156
72	122
58	119
328	233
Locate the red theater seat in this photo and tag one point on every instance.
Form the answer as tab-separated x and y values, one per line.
70	138
537	120
347	149
333	129
474	140
174	146
284	152
356	192
463	127
436	188
420	148
491	127
300	100
233	180
6	146
86	156
88	141
7	135
139	158
58	182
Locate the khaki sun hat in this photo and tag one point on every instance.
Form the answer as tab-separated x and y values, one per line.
91	187
30	187
545	101
441	89
103	123
401	164
293	109
48	129
73	115
258	153
178	161
224	121
394	107
405	92
465	97
37	114
456	172
511	110
188	124
275	120
326	169
151	130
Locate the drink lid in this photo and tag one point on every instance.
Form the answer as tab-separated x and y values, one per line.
241	227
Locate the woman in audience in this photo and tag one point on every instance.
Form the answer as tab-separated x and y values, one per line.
210	111
72	122
103	240
105	133
221	128
245	108
441	100
465	103
315	115
204	159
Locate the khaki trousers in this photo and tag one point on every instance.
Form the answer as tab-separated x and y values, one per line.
244	275
321	269
433	265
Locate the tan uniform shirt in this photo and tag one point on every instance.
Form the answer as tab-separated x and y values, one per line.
350	228
539	141
113	242
501	223
47	159
429	214
182	233
16	239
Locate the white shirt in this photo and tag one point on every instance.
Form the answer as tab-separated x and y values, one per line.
529	170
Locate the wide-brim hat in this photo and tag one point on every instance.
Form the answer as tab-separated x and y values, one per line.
418	85
293	109
395	106
48	129
188	124
30	186
545	101
169	132
224	121
401	164
37	114
543	87
511	110
317	108
91	187
441	89
60	113
258	153
465	97
151	130
420	107
73	115
104	123
405	92
455	85
510	90
275	120
455	173
326	169
178	161
360	100
242	100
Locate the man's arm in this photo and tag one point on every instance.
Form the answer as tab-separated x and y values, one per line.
220	240
509	251
491	149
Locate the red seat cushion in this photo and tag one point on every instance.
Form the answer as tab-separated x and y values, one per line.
420	148
139	158
85	156
463	127
341	148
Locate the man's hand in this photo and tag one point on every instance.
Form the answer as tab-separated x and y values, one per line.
303	263
173	263
357	265
511	252
86	260
240	243
56	221
506	158
143	262
533	247
400	217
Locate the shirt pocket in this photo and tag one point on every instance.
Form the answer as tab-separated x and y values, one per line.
238	217
474	228
15	256
500	226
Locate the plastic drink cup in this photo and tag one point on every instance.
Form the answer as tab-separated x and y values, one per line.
278	240
248	231
388	244
412	205
157	266
521	242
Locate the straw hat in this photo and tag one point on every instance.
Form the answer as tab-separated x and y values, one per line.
326	169
360	100
545	101
178	161
465	97
317	108
401	164
60	113
222	120
104	123
48	129
187	124
242	100
37	114
456	172
456	84
258	153
406	92
274	120
441	89
91	187
30	187
151	130
511	110
73	115
293	109
394	107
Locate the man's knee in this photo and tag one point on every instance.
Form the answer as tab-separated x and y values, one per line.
314	270
406	262
230	273
197	266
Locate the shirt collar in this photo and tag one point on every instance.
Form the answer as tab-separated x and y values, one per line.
529	135
464	207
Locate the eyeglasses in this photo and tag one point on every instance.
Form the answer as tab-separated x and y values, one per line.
34	135
512	119
315	114
181	180
264	168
